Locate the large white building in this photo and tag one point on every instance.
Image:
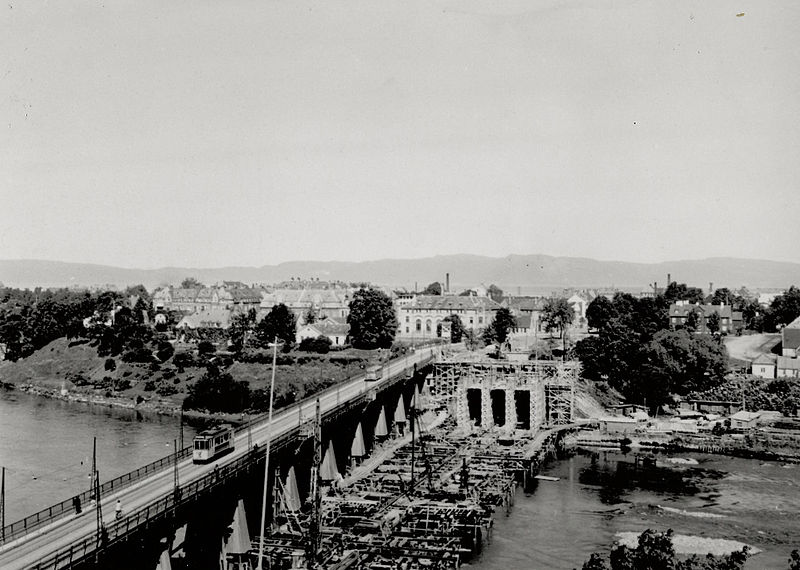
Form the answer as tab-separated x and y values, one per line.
419	318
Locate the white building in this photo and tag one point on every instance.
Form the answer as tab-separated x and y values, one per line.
420	318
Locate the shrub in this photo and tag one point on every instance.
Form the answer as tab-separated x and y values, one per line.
110	364
166	390
149	386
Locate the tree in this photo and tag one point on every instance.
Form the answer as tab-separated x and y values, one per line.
713	322
692	321
280	322
655	551
495	293
456	327
600	311
501	325
725	296
191	283
783	310
557	315
241	326
372	319
681	292
217	391
434	288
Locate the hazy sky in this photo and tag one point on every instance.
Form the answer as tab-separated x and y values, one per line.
206	133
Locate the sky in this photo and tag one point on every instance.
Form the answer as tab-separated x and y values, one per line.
219	133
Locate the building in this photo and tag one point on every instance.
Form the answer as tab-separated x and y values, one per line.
790	339
420	318
764	366
526	306
337	332
744	420
214	318
788	367
331	303
730	321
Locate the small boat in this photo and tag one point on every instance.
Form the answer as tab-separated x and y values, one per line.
546	478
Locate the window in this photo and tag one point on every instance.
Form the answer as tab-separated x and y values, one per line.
406	330
419	325
406	320
470	320
480	320
428	326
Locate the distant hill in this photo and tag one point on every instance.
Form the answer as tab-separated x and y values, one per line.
526	272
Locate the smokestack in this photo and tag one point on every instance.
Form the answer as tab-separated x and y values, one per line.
447	283
669	279
710	288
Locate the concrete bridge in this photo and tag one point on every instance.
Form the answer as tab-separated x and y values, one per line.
177	505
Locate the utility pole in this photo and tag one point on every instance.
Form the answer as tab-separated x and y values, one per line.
176	483
314	537
260	564
2	504
412	413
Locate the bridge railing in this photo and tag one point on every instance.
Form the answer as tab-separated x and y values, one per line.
45	516
304	408
119	529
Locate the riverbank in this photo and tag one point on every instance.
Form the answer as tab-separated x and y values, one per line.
741	447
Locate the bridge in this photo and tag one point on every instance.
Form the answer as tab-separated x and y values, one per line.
168	492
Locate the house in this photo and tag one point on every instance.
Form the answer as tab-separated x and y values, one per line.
208	319
744	420
764	366
790	339
521	306
788	367
420	318
332	303
721	407
335	331
579	303
729	321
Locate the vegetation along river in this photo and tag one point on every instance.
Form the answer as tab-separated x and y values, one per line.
559	524
46	447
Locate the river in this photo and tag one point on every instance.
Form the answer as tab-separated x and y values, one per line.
559	524
46	447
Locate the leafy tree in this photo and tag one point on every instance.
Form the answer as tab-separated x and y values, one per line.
165	350
217	391
557	315
713	322
182	360
321	344
501	325
241	326
206	348
468	293
191	283
681	292
434	288
456	327
600	311
783	310
495	293
725	296
656	552
372	319
692	321
310	316
280	322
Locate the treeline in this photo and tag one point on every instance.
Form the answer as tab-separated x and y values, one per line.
30	319
637	352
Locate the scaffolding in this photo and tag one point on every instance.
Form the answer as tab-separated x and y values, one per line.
550	385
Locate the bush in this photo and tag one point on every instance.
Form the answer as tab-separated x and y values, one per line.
122	384
182	360
320	345
141	354
165	350
149	386
110	364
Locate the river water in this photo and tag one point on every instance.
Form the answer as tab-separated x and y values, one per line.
46	447
559	524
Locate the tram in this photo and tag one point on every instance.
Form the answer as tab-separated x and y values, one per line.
212	443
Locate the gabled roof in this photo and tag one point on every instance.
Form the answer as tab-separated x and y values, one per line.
452	302
681	310
743	416
179	294
765	359
212	318
790	338
527	304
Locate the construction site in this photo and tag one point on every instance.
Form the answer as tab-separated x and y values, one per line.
427	495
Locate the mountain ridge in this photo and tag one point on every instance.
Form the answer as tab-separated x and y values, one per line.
510	271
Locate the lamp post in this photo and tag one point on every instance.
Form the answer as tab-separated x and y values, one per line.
260	565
